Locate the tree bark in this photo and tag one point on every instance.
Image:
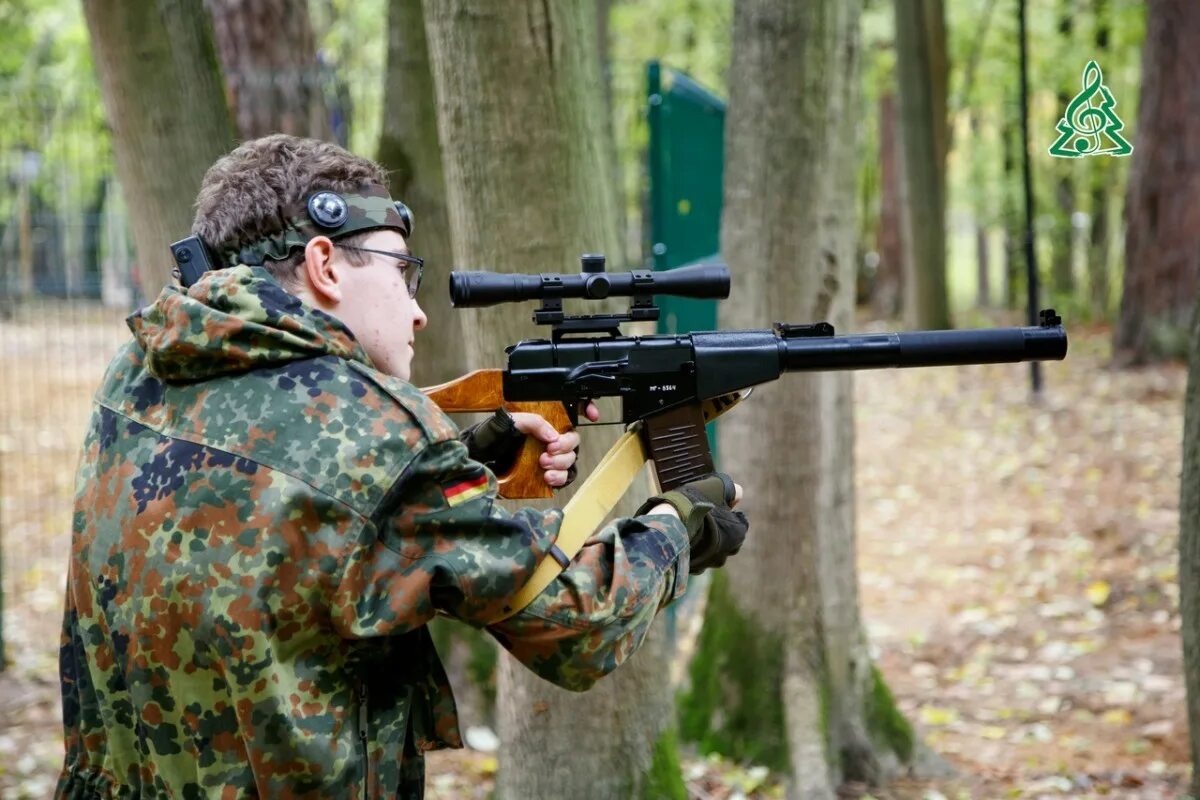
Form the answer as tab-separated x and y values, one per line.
1189	549
1162	207
269	57
411	150
1014	253
921	69
1062	270
983	289
889	279
1101	176
163	99
983	277
782	675
528	190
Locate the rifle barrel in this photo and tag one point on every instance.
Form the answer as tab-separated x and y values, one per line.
924	348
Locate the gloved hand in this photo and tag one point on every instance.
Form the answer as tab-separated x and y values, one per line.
715	530
495	442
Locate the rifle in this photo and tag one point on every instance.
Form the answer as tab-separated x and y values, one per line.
670	385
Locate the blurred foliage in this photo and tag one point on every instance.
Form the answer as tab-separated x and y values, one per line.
52	129
692	36
352	38
50	104
983	83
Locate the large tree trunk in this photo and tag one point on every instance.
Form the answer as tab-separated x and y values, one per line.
410	149
1162	207
164	102
1189	549
528	190
782	675
269	57
921	68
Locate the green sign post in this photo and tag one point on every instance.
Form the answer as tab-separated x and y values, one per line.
686	155
687	158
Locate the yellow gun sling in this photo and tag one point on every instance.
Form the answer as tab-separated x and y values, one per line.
595	499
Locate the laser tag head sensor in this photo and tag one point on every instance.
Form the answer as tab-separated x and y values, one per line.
327	209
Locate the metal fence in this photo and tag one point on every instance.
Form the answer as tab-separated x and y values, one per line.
66	255
65	252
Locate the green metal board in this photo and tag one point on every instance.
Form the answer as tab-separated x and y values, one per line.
687	156
687	159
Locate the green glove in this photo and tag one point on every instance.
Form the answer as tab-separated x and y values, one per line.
715	530
495	442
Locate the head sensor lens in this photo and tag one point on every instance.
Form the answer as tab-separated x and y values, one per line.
327	209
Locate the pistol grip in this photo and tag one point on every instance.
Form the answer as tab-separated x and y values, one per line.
523	481
482	390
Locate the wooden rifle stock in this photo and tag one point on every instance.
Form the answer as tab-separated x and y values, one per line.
483	390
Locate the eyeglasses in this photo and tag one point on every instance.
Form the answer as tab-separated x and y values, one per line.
412	277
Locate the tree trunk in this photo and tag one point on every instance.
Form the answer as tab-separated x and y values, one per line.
983	289
781	675
1062	271
150	55
627	256
1100	171
889	279
921	69
410	149
269	58
528	190
1162	207
1189	550
1014	227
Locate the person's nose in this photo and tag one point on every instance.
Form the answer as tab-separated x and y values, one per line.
419	318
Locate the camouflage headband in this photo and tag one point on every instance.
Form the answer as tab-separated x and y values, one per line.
324	213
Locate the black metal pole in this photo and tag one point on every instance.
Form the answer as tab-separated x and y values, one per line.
1035	369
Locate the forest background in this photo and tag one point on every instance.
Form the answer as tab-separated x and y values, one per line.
1034	650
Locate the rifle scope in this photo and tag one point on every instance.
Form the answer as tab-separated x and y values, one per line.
478	289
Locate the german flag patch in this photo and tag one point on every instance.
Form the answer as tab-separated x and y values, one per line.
464	491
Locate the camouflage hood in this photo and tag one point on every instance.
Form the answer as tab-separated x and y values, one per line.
234	320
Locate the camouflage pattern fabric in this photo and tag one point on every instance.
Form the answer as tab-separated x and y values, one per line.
370	208
263	526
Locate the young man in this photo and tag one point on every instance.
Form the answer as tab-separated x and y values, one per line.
268	513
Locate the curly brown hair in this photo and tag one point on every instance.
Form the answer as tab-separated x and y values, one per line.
243	192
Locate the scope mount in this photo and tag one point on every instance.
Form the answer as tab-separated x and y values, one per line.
641	309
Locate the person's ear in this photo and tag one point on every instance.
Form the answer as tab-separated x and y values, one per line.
321	271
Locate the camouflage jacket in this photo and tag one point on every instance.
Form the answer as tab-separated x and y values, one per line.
263	526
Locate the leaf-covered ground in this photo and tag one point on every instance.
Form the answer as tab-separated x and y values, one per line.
1017	564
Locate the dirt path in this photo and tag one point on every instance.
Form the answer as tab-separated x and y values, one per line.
1018	570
